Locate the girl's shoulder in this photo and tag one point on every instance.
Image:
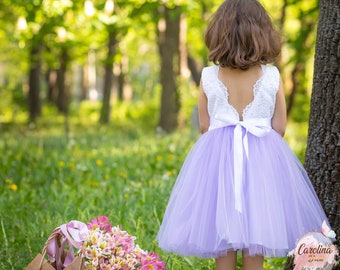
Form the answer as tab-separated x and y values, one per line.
209	75
209	70
271	70
271	77
209	78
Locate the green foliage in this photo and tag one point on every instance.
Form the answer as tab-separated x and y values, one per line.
135	22
122	174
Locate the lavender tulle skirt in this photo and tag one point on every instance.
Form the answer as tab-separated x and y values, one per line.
279	204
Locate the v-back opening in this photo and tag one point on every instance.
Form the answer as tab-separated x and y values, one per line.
240	116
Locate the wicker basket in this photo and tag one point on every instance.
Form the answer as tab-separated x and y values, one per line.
40	262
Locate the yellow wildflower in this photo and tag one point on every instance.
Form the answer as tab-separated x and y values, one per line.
123	175
151	182
72	165
13	187
99	162
8	181
94	184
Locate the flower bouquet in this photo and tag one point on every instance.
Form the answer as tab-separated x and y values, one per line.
99	246
106	247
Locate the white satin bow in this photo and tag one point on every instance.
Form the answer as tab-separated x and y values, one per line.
256	126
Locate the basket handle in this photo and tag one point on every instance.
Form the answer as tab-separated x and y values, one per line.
54	235
67	234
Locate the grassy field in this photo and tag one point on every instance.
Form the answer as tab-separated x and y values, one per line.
125	173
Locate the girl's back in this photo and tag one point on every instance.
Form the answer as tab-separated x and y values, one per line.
240	85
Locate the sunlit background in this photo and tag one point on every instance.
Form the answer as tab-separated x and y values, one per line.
95	71
69	41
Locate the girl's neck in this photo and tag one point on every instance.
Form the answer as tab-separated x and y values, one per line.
234	72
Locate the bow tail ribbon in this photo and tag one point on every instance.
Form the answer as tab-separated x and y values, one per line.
238	167
258	127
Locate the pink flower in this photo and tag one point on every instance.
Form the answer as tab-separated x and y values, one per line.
102	222
152	262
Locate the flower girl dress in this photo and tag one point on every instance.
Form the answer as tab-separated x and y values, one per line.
241	186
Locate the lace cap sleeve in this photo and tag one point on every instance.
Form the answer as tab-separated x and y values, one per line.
274	75
207	76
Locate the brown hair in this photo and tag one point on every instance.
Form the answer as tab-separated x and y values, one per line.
241	35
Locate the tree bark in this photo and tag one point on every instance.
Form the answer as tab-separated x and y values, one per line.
51	80
106	108
168	35
322	160
34	105
63	95
194	70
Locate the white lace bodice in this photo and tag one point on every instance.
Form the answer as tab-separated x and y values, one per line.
263	103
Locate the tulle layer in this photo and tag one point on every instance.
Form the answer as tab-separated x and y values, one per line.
279	204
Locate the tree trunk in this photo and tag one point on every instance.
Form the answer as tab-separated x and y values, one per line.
52	90
63	95
195	71
106	108
168	35
84	82
34	82
120	82
323	148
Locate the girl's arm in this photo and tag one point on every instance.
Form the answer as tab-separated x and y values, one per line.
279	119
203	116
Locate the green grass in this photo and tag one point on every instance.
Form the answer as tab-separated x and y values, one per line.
122	171
47	181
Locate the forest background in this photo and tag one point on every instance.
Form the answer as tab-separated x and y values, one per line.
74	54
101	95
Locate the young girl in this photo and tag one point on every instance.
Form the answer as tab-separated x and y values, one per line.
240	188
